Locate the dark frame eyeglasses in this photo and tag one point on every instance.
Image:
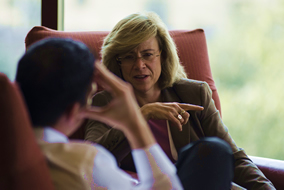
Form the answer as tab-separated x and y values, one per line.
131	59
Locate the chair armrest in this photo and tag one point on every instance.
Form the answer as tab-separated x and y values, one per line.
273	169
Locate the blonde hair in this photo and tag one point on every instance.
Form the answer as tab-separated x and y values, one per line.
135	29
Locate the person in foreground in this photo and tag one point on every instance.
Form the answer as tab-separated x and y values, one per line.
141	51
56	77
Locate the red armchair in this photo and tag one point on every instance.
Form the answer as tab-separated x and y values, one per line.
23	166
193	54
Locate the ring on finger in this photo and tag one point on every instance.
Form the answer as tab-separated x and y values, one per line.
179	117
182	112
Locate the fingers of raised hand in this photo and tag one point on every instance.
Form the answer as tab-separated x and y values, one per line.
123	103
109	81
93	113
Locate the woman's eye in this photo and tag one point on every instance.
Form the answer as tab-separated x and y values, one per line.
147	55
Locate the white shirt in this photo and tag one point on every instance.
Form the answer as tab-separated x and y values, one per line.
154	169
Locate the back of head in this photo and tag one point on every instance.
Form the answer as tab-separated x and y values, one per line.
54	74
135	29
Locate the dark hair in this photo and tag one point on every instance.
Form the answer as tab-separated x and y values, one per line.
54	74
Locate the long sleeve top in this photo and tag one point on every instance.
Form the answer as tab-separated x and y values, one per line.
79	165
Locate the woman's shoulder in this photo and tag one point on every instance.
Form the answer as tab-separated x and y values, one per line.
189	84
191	91
101	98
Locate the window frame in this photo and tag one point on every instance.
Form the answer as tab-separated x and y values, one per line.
52	14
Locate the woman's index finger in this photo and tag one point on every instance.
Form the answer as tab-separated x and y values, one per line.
188	107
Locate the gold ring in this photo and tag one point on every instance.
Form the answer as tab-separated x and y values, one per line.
182	112
179	117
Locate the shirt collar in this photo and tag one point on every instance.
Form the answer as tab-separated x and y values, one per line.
51	135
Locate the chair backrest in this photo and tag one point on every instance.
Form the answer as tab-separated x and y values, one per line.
23	166
191	45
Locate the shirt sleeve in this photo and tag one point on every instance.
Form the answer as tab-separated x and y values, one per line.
155	171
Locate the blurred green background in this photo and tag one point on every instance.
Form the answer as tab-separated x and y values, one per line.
247	62
245	43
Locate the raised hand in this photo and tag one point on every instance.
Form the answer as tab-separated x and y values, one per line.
123	111
174	112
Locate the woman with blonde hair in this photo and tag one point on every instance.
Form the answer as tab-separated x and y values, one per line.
179	111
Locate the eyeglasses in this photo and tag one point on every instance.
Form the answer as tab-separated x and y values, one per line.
131	59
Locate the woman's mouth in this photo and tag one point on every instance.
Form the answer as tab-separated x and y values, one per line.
141	77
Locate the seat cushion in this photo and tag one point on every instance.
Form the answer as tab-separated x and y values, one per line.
273	169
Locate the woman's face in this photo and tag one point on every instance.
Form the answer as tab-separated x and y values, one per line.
143	73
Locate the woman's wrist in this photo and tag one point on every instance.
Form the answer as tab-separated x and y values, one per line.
145	112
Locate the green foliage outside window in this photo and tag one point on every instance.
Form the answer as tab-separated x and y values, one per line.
247	62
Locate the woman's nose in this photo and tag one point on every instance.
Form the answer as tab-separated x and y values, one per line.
140	62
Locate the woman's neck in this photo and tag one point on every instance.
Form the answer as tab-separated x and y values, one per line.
148	97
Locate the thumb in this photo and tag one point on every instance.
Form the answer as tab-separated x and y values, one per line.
94	113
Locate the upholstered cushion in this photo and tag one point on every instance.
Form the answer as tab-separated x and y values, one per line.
273	169
193	54
93	40
23	165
